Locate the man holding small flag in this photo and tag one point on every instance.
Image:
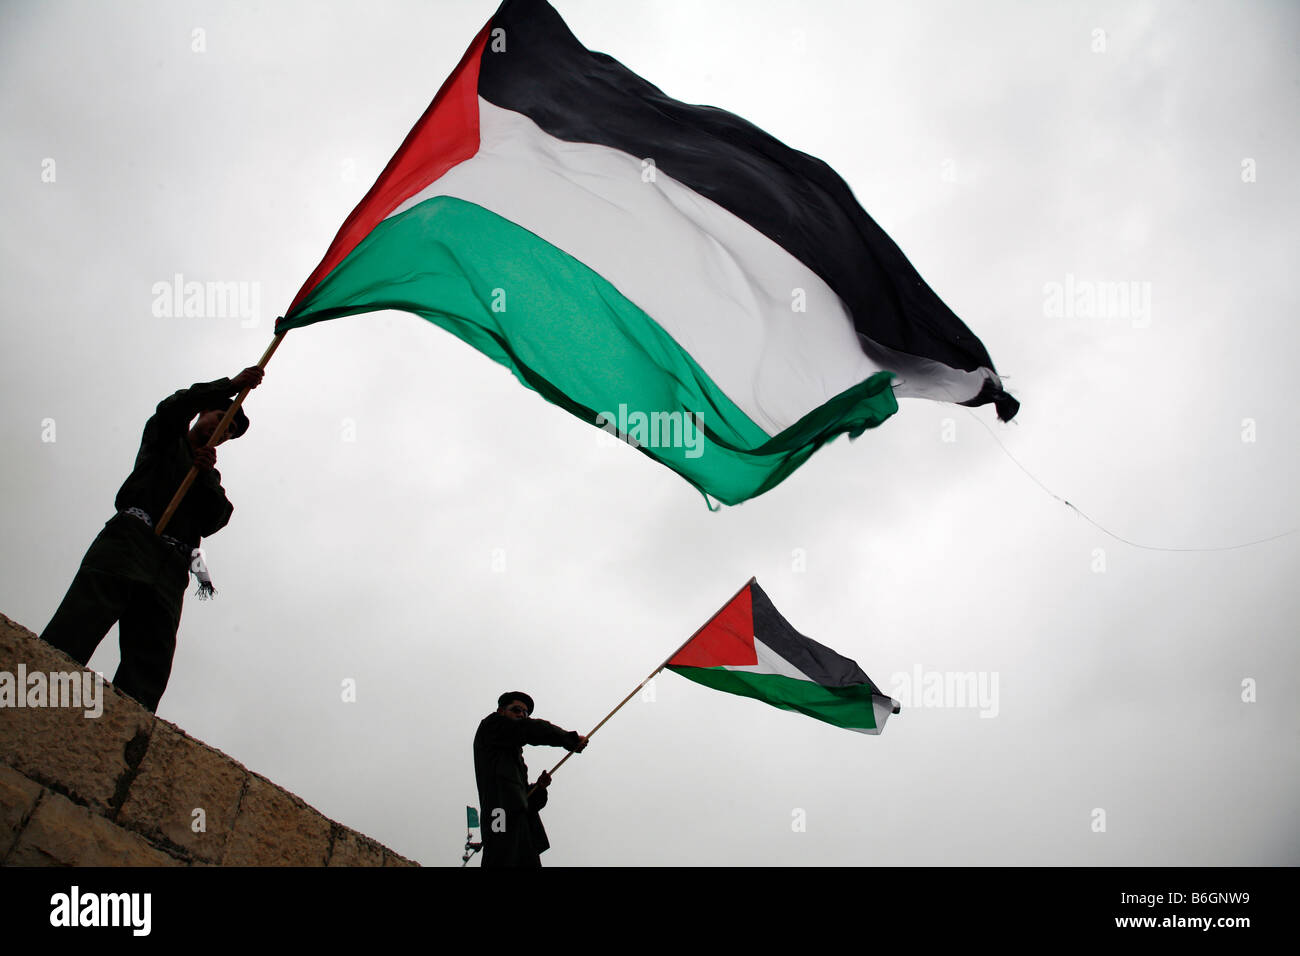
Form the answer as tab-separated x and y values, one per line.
513	834
748	648
745	648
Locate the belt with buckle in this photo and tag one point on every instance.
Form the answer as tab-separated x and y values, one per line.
176	543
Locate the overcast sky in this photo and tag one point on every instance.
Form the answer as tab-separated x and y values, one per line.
407	516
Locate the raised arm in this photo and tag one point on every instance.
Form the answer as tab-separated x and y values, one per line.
175	412
536	732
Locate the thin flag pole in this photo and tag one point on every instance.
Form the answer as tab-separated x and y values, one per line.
216	437
652	674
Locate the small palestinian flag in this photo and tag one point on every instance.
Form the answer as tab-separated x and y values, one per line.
748	648
669	273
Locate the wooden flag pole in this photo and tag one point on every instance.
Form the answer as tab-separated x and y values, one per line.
212	442
652	674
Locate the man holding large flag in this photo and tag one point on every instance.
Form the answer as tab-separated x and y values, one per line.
136	578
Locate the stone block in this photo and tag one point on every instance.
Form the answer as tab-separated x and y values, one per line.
18	796
353	849
87	758
61	833
396	859
275	828
177	776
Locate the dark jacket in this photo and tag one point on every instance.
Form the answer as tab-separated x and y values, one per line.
513	834
165	458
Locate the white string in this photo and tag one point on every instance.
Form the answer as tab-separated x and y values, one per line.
1134	544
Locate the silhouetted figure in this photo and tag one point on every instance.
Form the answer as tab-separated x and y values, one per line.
512	830
134	577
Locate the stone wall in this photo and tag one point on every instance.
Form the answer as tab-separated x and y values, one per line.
126	789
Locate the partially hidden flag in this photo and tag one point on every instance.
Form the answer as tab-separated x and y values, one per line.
748	648
471	817
667	272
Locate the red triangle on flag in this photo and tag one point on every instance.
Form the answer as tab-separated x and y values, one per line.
727	640
446	135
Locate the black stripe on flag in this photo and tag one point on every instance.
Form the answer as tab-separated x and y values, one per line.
816	660
792	198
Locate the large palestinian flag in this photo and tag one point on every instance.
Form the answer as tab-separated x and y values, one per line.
748	648
667	272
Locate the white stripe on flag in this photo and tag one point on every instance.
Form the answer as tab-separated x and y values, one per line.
770	662
725	292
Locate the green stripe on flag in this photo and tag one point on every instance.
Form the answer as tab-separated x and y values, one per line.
848	707
567	333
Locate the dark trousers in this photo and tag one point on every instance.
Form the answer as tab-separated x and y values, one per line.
517	845
133	578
